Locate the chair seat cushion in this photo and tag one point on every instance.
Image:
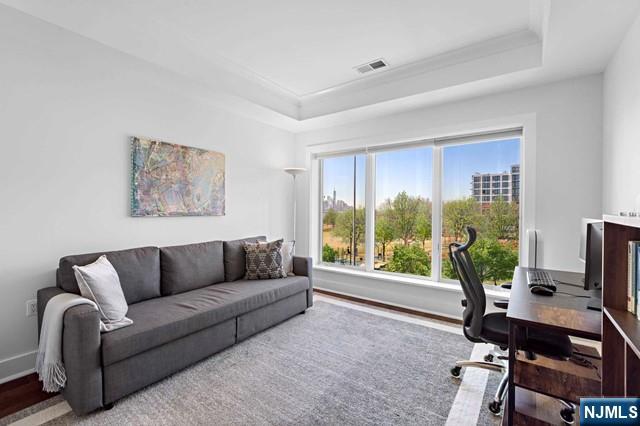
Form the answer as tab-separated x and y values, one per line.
161	320
495	329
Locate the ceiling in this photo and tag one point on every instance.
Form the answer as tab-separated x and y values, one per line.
291	62
306	47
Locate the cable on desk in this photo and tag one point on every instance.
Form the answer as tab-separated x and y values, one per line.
574	295
584	362
566	283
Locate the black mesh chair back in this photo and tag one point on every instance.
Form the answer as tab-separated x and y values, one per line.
475	300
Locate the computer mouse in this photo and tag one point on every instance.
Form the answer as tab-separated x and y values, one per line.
541	291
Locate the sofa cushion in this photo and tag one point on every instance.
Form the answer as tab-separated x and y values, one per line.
162	320
191	266
138	270
235	260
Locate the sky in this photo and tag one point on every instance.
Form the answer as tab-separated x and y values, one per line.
411	170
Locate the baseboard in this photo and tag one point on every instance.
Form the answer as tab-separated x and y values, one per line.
442	302
381	304
17	366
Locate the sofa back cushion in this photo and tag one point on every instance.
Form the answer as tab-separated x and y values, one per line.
191	266
235	259
138	270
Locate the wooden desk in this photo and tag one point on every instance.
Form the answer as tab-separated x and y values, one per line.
560	312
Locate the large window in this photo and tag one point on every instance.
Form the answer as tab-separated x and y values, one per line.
495	216
343	212
403	211
381	210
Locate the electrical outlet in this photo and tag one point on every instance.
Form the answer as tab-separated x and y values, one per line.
32	308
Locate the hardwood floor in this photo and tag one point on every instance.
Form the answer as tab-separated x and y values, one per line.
21	393
389	307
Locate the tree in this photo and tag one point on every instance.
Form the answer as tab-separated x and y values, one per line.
410	259
330	217
423	229
502	220
403	215
345	228
384	234
457	214
493	260
328	254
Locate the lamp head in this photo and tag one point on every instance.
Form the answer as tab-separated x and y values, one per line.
295	171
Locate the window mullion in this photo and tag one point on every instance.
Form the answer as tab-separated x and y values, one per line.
370	210
320	225
436	215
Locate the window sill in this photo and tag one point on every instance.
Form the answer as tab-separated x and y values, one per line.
402	279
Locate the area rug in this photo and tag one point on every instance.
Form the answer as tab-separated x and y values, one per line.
334	366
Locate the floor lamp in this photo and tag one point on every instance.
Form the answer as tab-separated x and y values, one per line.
294	171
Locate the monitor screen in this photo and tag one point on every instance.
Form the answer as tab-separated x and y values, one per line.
583	237
593	260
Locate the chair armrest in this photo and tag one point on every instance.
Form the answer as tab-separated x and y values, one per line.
303	266
506	285
501	303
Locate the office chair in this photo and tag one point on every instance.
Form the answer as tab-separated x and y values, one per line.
493	328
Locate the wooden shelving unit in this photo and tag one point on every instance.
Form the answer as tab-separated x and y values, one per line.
620	328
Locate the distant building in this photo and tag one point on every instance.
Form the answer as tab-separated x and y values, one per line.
331	203
488	187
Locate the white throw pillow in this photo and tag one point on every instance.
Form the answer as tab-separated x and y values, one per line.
100	283
287	257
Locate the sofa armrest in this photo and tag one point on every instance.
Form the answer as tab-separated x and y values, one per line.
43	297
80	352
303	266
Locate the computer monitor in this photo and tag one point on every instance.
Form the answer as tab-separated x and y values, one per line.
591	254
584	232
593	261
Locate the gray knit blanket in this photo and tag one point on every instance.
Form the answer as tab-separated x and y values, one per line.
49	364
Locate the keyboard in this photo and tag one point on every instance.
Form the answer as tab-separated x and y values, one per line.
540	278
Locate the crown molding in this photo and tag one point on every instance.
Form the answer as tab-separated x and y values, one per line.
503	55
236	88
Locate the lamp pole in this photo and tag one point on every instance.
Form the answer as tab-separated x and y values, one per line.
294	171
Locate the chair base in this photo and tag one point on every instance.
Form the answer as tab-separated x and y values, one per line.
567	414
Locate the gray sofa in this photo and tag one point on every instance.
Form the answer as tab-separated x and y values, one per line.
186	303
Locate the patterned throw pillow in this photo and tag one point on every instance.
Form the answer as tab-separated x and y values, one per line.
264	260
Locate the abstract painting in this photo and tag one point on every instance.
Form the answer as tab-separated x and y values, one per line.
175	180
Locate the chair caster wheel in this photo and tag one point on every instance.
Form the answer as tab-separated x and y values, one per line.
455	371
495	407
567	415
488	358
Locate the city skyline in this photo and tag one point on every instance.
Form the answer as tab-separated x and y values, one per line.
410	170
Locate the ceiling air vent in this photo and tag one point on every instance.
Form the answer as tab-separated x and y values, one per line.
376	64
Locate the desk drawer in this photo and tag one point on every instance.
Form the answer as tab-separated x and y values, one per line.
561	379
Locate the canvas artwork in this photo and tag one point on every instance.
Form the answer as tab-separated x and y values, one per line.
176	180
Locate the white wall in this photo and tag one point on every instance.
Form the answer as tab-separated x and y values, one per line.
564	122
67	108
621	153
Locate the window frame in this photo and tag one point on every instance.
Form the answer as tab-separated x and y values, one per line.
437	145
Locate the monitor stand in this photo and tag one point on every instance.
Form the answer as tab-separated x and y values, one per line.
595	301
